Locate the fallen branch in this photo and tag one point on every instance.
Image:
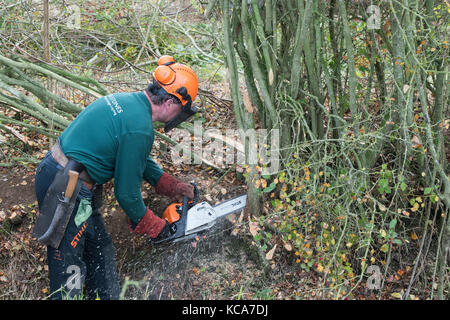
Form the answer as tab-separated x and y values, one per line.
43	94
18	135
51	133
16	160
80	79
37	110
37	68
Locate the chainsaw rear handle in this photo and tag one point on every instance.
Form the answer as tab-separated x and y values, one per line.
196	195
189	204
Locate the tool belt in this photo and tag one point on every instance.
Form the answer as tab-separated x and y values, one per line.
62	160
50	227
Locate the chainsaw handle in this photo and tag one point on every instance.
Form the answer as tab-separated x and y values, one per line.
196	195
185	206
189	204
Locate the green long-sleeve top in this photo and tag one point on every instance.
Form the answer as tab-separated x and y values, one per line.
112	137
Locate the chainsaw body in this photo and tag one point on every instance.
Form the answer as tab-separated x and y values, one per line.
192	217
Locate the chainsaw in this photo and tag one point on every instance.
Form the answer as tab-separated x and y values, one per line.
190	219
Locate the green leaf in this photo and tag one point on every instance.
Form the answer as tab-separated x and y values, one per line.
403	186
398	241
427	190
396	295
384	248
392	224
383	183
270	187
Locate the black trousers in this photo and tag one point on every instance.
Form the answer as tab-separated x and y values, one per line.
83	266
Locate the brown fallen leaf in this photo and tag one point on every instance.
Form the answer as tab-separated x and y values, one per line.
405	88
253	227
416	143
2	215
288	246
232	218
269	254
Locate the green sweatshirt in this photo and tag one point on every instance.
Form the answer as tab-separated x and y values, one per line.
112	137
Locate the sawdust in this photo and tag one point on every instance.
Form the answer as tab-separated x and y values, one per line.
216	267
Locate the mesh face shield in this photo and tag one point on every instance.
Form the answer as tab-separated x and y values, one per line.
186	112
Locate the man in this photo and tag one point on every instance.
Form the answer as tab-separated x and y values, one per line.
110	139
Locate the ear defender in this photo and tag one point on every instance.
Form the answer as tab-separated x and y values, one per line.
164	75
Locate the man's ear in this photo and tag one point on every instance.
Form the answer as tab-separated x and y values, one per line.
167	104
174	104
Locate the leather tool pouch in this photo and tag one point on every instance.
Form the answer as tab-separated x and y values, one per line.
52	198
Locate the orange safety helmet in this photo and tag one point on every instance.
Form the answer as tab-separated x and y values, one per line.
173	76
